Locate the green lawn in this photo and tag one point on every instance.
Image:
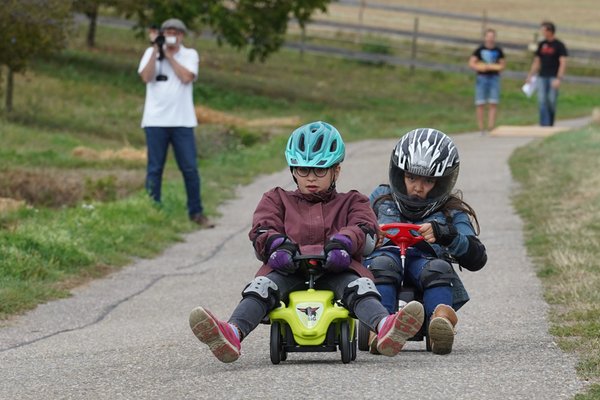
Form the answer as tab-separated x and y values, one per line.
560	204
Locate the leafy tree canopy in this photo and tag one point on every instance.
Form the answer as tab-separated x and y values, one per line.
258	24
30	28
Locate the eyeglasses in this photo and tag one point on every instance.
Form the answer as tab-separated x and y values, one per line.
305	171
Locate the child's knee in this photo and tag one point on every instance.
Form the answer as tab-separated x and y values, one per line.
385	269
264	290
358	289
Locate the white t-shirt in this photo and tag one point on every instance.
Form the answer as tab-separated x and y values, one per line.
170	103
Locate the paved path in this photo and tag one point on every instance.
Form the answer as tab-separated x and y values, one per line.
127	336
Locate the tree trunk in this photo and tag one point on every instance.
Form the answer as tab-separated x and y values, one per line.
91	35
9	90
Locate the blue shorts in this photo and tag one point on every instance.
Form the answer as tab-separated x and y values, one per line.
487	89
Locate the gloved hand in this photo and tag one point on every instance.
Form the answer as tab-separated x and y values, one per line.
337	252
444	233
282	255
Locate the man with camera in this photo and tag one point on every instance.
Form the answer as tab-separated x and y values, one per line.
169	70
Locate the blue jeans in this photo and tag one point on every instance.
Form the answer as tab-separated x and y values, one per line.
547	97
414	264
487	89
184	146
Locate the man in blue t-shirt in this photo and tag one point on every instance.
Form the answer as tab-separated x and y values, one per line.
550	63
487	60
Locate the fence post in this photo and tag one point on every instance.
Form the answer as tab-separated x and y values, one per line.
532	47
413	51
361	10
484	21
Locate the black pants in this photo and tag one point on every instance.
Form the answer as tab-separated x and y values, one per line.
252	309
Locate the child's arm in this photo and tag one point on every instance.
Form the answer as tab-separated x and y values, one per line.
361	226
267	225
459	238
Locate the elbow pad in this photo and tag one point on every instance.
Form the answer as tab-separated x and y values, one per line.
475	257
371	239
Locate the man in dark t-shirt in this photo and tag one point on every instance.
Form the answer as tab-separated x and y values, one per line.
550	63
487	60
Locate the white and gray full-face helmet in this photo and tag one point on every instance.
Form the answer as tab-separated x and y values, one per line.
429	153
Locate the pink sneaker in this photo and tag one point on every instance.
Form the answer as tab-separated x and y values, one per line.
219	336
400	327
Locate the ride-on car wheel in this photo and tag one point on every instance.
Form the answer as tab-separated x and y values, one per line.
345	344
363	337
276	348
354	343
427	341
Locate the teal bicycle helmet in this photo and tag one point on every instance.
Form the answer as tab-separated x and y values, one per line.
317	144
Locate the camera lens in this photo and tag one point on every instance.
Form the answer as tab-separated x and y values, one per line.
160	40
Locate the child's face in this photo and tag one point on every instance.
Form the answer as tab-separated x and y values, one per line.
315	182
418	186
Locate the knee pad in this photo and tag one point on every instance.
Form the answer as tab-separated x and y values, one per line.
385	269
357	289
264	290
437	273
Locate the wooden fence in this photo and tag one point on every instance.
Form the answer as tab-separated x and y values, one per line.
422	38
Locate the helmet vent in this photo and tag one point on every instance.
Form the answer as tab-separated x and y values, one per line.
333	146
318	144
301	141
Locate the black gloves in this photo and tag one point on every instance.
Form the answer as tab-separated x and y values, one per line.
444	233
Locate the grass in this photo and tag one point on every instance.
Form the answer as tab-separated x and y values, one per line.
533	12
560	204
93	98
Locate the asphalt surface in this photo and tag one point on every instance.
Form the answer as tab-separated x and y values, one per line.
127	337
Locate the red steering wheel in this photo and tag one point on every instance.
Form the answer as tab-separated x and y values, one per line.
403	237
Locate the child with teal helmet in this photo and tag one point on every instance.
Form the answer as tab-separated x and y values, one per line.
317	144
314	216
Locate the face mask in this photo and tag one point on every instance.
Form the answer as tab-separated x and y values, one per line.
170	40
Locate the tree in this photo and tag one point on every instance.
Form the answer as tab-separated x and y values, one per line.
90	9
30	28
259	24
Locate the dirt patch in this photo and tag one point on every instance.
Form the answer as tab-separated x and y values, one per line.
126	154
59	188
9	205
527	131
207	115
596	115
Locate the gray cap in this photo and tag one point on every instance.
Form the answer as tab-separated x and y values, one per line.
174	23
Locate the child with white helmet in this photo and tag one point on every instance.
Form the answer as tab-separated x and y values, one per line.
423	169
315	215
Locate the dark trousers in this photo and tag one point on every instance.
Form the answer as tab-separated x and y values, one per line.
252	310
184	146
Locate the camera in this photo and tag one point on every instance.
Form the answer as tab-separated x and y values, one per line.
160	41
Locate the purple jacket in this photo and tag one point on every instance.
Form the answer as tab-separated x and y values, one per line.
310	221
